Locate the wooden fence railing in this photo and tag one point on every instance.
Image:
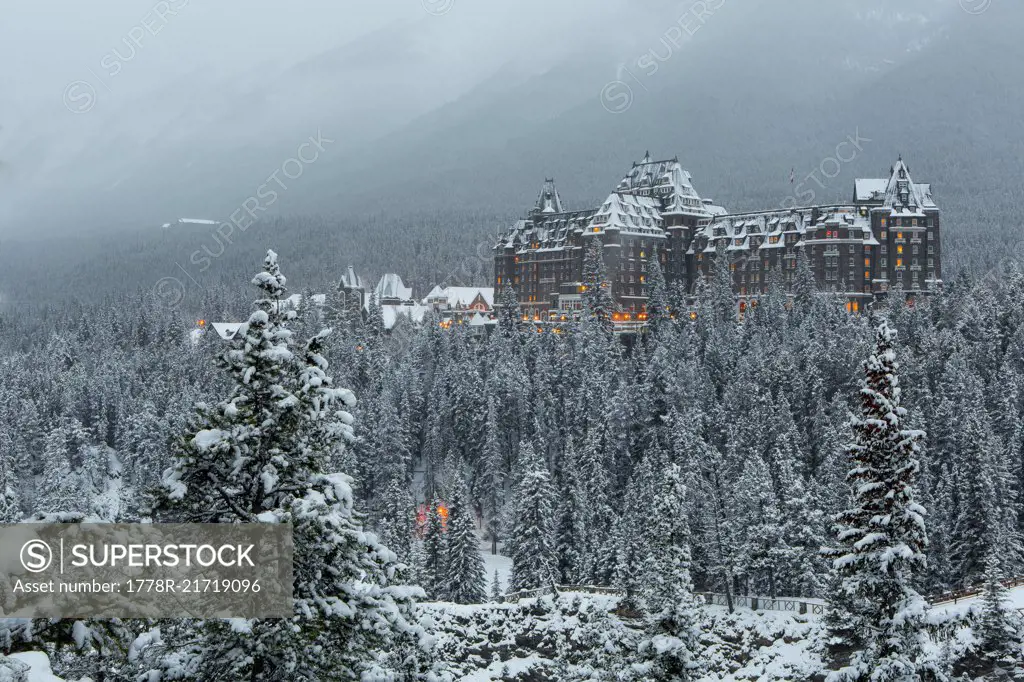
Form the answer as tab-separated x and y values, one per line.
526	594
788	604
953	597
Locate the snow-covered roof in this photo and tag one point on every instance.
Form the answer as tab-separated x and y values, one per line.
629	213
459	296
414	312
549	201
480	320
226	330
713	208
667	180
295	300
392	286
869	189
198	221
351	280
903	195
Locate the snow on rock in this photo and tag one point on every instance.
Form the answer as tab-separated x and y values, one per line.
576	635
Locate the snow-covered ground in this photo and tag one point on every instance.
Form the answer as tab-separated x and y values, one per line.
496	562
38	667
962	606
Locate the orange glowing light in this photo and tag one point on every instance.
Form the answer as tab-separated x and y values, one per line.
202	323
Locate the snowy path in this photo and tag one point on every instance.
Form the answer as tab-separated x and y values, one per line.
961	606
496	562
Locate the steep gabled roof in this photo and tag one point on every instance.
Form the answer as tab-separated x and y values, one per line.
391	286
667	180
549	201
901	194
350	280
628	213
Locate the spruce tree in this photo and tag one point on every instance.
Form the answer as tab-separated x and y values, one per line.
998	630
434	552
659	311
10	501
465	579
882	538
262	456
496	588
669	597
534	564
597	287
571	507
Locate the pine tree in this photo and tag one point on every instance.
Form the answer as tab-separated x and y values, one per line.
496	588
757	510
882	538
594	487
998	630
434	552
597	287
60	491
659	311
509	314
493	479
262	455
571	532
803	526
465	580
634	536
534	563
669	586
10	501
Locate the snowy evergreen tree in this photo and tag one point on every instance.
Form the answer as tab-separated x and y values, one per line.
659	311
10	501
669	586
570	508
465	578
434	551
496	591
534	563
998	629
882	539
261	456
597	287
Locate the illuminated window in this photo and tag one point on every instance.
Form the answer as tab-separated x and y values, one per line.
899	262
867	262
899	235
884	234
899	249
867	274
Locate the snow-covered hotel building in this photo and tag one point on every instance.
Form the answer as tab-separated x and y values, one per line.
887	236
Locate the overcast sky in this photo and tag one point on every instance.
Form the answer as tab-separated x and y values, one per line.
95	93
